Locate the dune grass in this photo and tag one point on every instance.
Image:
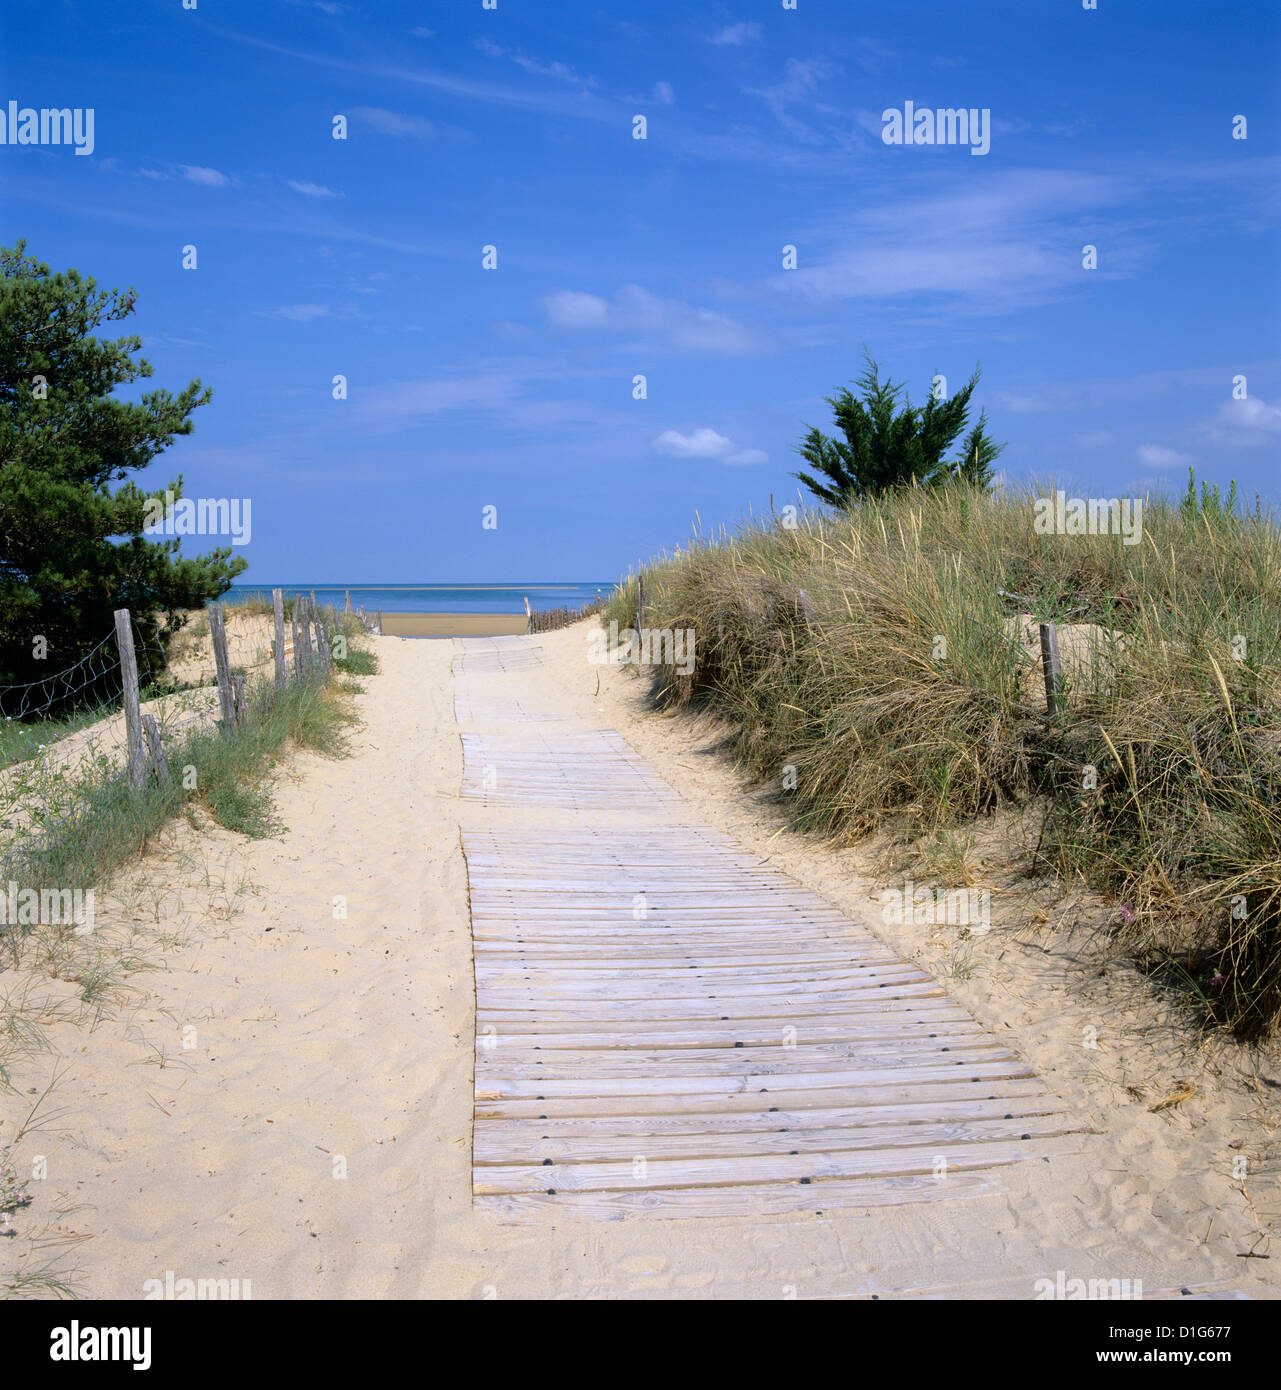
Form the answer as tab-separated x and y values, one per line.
102	822
82	825
868	665
22	739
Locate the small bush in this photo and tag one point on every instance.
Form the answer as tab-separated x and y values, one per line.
359	661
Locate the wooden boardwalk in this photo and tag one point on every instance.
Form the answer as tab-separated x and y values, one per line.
581	770
665	1026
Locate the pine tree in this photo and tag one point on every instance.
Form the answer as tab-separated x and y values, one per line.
72	547
888	445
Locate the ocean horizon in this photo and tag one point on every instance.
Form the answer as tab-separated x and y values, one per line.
437	598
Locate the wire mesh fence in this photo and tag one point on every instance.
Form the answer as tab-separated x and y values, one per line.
92	682
76	713
192	686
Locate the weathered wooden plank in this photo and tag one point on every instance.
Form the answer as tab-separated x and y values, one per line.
222	667
495	1087
499	1051
135	760
756	1200
752	1031
758	1120
278	649
157	750
497	1148
802	1168
690	1011
782	1097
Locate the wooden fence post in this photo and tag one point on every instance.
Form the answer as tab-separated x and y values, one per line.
238	699
218	634
529	617
322	646
136	767
380	622
278	610
304	631
347	605
293	617
1053	671
157	749
640	602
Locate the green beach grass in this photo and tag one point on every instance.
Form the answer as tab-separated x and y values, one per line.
869	666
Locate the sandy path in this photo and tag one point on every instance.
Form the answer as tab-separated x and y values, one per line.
313	1134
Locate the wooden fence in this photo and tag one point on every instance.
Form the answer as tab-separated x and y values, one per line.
552	618
312	658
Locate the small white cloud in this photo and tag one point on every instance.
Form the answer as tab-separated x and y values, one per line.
1243	424
663	93
301	313
572	309
735	35
422	32
1158	456
407	400
393	122
702	444
705	444
312	190
561	71
636	310
210	178
1095	439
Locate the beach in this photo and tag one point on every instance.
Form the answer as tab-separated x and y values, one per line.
278	1088
452	624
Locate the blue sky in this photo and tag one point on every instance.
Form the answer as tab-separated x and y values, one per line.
513	387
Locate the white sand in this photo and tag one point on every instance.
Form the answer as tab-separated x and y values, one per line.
319	1038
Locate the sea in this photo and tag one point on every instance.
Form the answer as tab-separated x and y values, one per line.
437	598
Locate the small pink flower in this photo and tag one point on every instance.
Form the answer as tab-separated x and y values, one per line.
1127	914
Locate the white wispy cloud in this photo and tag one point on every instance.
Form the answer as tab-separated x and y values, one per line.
210	178
312	190
1095	439
997	245
393	122
735	35
562	72
399	403
705	444
575	105
1159	456
799	86
1243	424
299	313
635	311
573	309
